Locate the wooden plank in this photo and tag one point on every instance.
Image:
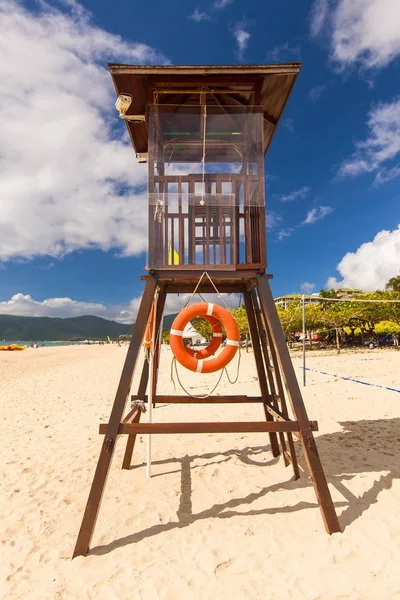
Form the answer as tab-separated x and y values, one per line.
130	444
166	399
262	380
107	449
205	427
263	342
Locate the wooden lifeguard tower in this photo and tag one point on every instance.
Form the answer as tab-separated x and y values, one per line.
203	132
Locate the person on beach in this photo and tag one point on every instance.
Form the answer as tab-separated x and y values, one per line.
395	337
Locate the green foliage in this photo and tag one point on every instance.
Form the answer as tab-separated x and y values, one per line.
165	336
203	327
386	327
291	317
240	315
393	285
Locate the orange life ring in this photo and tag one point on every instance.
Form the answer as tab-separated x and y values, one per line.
148	334
203	309
213	345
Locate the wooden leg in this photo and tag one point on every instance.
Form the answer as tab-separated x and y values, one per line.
107	449
260	367
265	342
299	411
130	444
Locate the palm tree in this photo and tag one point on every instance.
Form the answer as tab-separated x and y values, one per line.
393	285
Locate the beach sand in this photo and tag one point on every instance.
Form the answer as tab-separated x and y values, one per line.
220	518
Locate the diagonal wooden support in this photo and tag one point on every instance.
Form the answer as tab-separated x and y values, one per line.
299	411
264	345
260	368
107	449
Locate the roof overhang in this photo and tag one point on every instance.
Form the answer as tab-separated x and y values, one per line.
268	86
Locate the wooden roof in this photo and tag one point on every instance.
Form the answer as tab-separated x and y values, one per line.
266	85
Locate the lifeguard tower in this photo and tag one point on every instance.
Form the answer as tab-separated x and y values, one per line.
203	132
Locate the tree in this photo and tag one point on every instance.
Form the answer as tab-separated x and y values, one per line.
240	316
165	336
393	285
337	315
203	327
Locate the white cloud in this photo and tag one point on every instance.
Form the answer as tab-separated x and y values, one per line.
221	4
317	91
24	305
381	145
300	193
67	181
272	219
242	37
364	32
386	175
319	15
288	124
284	52
198	16
316	214
307	287
371	266
284	233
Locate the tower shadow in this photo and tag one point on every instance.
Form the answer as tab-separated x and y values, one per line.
363	446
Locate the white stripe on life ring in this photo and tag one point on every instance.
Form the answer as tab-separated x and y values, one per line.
217	334
232	343
210	309
199	367
176	332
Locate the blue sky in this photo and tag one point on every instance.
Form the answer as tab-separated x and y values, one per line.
72	224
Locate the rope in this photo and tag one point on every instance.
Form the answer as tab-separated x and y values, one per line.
203	160
197	287
174	361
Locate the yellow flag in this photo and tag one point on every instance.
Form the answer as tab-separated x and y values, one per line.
173	256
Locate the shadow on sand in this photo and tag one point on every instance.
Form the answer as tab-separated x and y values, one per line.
362	446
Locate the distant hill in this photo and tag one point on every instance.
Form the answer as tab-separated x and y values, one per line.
53	329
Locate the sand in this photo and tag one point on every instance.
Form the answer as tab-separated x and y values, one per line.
220	518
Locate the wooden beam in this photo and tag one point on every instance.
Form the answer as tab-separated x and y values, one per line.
206	427
165	399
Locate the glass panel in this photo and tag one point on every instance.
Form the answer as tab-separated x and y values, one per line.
212	154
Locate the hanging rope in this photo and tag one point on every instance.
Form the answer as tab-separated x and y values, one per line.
203	160
174	361
197	287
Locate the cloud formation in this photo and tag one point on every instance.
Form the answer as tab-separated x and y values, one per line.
221	4
371	266
199	16
381	145
300	193
67	180
24	305
363	32
283	53
242	37
307	287
317	91
317	214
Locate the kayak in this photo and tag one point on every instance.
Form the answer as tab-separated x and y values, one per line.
12	347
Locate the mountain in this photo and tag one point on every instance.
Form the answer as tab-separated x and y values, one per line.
52	329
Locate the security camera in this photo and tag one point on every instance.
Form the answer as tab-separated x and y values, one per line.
123	103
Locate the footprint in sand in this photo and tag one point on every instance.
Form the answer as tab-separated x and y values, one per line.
221	567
